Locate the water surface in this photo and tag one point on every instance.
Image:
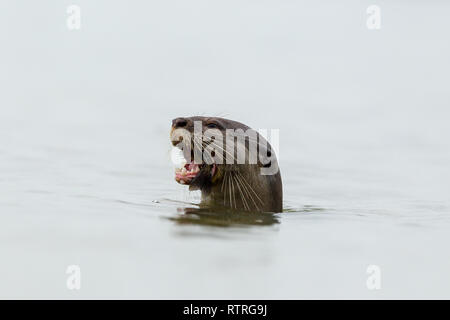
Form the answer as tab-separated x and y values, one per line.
86	177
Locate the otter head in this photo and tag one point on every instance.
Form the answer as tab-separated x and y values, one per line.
233	165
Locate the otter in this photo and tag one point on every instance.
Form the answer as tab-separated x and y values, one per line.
232	165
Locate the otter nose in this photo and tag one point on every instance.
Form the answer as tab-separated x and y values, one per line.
179	122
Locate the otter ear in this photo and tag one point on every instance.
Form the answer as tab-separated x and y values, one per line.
264	154
267	160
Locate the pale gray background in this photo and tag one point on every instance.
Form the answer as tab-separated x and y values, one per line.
85	176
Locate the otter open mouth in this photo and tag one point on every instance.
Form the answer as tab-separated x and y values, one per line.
191	171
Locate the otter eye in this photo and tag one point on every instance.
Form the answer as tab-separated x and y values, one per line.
212	125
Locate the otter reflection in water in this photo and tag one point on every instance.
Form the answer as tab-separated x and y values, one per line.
224	218
232	165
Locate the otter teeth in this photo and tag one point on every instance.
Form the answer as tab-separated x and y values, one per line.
186	172
194	170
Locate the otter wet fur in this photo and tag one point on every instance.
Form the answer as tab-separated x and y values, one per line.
232	165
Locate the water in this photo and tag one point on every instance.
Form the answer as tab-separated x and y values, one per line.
86	177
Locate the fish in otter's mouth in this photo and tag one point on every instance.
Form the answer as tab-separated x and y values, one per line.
243	178
191	171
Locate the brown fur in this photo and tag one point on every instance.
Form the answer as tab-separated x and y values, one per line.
236	187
